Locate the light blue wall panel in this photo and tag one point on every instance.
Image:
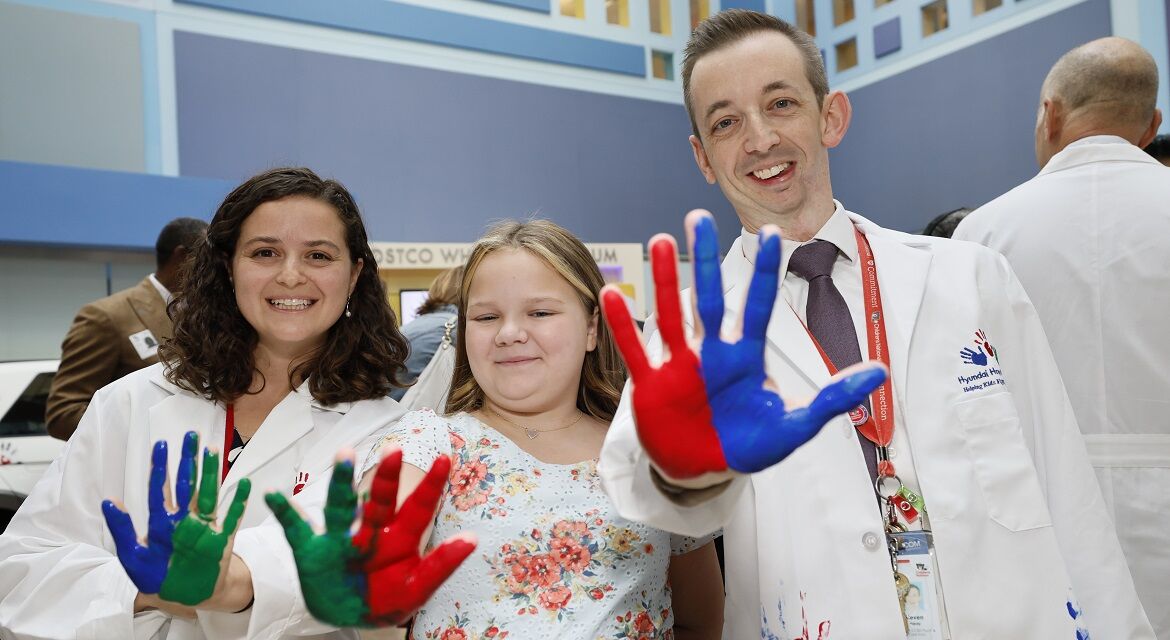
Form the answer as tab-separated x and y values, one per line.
413	22
71	89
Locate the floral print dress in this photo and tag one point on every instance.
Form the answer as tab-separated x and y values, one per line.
553	556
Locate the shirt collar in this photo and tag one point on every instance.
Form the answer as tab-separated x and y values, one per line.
838	229
162	291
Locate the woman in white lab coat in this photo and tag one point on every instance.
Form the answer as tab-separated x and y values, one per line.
285	350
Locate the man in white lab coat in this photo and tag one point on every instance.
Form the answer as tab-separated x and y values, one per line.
983	431
1089	238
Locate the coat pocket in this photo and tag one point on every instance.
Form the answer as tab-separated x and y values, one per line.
1003	465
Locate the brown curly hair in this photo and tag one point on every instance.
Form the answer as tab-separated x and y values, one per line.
212	352
603	373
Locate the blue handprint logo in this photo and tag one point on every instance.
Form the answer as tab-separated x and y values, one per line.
983	349
974	357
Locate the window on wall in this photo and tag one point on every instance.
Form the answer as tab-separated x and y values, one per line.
806	17
700	11
660	16
617	12
573	8
934	17
846	54
983	6
662	65
842	11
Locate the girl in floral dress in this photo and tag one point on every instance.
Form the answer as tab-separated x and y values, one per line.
537	380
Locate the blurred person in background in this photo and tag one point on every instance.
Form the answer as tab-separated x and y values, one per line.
1089	238
943	225
1160	148
121	333
426	331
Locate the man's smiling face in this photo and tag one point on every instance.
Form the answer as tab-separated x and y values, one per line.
763	136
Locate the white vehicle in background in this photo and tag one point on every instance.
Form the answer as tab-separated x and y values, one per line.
26	448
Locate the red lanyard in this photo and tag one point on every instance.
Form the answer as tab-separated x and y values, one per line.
229	432
877	427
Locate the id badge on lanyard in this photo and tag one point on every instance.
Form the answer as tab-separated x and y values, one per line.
919	589
912	555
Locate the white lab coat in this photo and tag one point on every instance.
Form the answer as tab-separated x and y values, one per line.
1019	524
1089	238
59	576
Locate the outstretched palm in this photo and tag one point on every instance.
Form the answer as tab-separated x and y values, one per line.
147	564
732	416
376	577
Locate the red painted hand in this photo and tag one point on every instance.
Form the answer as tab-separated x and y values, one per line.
399	581
671	410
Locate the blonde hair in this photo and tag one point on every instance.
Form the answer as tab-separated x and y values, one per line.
444	290
603	373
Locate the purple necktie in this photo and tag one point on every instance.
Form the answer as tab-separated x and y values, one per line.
828	317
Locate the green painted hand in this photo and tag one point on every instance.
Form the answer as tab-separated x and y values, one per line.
331	581
374	577
200	551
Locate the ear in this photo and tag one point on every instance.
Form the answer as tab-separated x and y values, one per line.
355	272
836	114
1152	131
701	159
1053	117
591	337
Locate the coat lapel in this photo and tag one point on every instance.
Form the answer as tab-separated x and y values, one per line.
183	411
151	309
288	422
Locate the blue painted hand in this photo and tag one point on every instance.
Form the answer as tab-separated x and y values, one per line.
755	428
147	564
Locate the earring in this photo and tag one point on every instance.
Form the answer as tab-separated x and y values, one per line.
348	313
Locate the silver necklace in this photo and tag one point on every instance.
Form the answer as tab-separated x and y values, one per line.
533	433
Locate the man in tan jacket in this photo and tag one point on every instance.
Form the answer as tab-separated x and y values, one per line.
118	334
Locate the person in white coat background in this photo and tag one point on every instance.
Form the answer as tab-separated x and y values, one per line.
284	351
1089	238
983	430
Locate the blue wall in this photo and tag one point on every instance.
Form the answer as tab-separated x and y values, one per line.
957	131
53	205
433	155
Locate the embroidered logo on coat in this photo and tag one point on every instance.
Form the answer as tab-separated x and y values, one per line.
302	480
990	374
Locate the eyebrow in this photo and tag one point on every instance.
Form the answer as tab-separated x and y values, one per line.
768	88
535	300
274	240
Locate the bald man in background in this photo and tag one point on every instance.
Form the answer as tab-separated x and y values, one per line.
1089	238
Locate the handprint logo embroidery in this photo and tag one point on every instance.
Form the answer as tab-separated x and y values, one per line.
302	480
983	348
973	357
7	453
981	341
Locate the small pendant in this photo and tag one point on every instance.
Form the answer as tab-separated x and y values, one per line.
532	434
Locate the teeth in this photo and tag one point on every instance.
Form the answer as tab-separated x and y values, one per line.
290	304
764	174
